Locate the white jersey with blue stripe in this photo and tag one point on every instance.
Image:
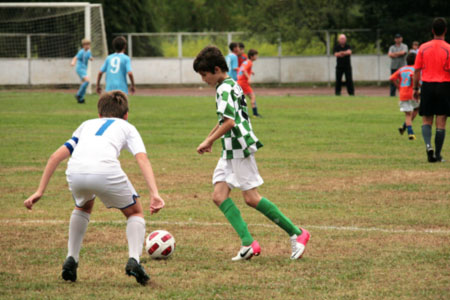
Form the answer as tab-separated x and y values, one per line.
96	145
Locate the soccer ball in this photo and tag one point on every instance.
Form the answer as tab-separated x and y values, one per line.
160	244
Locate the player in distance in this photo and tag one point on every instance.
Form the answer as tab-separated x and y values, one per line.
81	61
244	79
117	66
403	80
237	166
94	171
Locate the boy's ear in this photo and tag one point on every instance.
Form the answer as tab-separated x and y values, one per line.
99	115
216	69
125	116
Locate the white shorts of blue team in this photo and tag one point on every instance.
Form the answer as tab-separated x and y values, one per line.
408	105
114	190
241	173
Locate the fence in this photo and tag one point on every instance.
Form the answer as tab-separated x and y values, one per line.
166	58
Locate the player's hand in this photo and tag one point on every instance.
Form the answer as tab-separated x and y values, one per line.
132	89
156	204
72	64
32	200
99	90
416	95
205	146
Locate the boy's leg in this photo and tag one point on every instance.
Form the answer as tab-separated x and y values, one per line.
77	228
271	211
408	122
82	90
231	212
136	237
253	103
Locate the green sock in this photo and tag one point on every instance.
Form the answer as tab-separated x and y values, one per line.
271	211
233	215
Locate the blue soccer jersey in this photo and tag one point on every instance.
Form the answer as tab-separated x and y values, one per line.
83	57
232	63
116	67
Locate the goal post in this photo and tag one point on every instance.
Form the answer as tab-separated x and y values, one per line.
36	30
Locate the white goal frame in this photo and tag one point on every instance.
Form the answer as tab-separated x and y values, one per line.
87	22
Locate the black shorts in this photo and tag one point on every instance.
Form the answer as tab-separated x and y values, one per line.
435	99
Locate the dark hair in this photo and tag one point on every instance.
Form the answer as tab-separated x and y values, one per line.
410	58
252	52
119	43
439	26
232	46
209	58
113	104
241	45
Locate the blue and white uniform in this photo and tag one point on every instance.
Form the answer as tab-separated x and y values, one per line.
116	67
83	57
94	168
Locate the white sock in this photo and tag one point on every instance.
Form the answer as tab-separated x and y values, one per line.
77	228
135	236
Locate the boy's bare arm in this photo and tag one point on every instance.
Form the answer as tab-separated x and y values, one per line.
99	78
132	87
74	61
156	202
206	145
55	159
214	129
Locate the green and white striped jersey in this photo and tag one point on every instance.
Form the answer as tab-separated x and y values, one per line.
240	141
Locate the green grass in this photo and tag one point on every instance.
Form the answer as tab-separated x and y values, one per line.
327	161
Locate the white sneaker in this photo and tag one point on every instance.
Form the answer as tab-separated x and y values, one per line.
247	252
298	244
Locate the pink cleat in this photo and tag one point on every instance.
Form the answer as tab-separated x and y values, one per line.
247	252
299	244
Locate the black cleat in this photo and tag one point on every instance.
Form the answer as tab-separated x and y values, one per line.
136	270
401	130
69	270
81	101
440	159
257	115
430	154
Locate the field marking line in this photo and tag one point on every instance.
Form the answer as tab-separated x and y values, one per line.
196	223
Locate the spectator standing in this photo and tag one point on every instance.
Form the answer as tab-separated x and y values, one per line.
343	51
397	53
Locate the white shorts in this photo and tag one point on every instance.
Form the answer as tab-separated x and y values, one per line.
408	105
241	173
114	190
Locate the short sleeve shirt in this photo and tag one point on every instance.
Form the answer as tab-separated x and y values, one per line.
232	63
83	59
116	67
400	61
97	143
246	66
342	62
240	141
433	58
405	75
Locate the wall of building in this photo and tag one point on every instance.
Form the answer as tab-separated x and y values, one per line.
179	71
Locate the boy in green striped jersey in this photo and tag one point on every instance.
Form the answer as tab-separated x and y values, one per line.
237	166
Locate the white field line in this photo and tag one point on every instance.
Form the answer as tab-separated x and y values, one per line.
195	223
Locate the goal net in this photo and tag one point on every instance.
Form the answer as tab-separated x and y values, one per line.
50	30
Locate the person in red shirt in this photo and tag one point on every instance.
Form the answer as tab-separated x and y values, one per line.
242	56
433	61
402	79
244	74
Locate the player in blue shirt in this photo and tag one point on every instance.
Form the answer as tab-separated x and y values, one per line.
116	67
81	60
232	60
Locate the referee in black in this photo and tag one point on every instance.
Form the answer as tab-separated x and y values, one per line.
433	60
342	51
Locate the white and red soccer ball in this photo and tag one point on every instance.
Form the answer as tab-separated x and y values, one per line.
160	244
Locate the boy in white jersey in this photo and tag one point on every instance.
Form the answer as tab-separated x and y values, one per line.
94	170
237	166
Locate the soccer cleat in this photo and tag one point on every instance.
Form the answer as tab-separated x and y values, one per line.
440	159
430	155
401	130
247	252
133	268
257	115
411	137
82	101
298	244
69	270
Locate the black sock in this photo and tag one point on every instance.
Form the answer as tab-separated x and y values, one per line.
255	111
426	133
404	126
439	141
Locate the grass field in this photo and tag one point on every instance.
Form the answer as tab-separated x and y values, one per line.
379	215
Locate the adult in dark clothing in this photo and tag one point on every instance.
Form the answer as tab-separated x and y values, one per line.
342	51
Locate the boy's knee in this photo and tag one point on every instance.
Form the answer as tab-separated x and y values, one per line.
218	198
251	199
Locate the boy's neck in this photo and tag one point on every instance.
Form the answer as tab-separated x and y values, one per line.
222	78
